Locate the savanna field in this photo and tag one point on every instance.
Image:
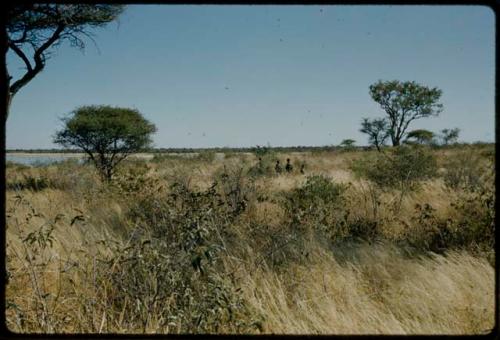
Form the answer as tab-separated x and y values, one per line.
358	242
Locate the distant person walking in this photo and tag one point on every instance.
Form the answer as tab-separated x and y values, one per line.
288	166
277	167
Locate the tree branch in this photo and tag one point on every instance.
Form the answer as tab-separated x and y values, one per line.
39	61
399	132
39	53
23	37
21	55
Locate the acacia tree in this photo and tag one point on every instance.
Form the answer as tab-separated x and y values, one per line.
450	136
377	131
420	136
106	134
405	102
33	30
348	143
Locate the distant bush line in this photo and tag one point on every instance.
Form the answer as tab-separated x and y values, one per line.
282	149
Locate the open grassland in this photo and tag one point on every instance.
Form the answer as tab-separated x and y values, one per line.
222	244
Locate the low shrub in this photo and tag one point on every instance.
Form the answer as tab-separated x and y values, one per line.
472	226
29	182
402	168
264	166
187	234
15	166
261	151
464	170
317	206
236	189
154	278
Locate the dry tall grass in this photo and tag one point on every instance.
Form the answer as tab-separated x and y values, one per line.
68	238
381	292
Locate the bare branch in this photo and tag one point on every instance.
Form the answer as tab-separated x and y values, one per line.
39	62
21	55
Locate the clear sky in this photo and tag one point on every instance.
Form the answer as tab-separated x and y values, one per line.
214	76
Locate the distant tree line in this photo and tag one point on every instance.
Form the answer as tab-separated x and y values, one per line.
282	149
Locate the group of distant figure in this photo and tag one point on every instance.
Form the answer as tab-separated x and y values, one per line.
288	167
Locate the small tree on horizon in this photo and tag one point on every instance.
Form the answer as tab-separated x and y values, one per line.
376	130
404	102
106	134
348	143
420	136
449	136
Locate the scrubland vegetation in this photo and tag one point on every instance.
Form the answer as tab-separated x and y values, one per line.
392	242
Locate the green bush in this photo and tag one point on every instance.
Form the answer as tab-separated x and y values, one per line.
261	151
187	232
264	166
472	226
318	189
402	169
154	277
317	206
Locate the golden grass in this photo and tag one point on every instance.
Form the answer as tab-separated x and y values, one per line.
381	293
365	289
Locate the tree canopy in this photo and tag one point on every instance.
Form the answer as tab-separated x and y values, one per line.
404	102
107	134
32	30
348	143
420	136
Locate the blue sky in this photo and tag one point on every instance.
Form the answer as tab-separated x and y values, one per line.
214	76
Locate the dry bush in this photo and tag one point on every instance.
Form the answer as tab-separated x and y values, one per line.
465	169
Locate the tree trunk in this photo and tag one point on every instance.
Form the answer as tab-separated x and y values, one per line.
5	105
5	76
396	140
109	173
